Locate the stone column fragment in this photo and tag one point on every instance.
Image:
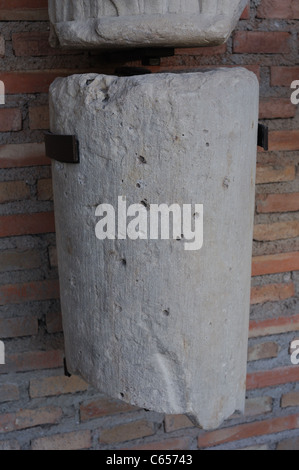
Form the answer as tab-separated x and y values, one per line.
142	23
148	321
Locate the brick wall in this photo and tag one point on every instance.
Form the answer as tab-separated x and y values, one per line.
41	408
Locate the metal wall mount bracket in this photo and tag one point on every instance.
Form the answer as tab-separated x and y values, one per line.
63	148
66	372
263	137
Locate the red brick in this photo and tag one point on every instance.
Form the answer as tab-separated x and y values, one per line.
25	10
22	4
283	75
261	42
20	326
34	360
254	68
286	9
246	13
127	432
40	14
263	351
13	191
54	322
9	392
271	378
10	120
202	51
246	431
274	174
28	292
175	422
22	155
34	81
7	422
271	264
273	326
57	385
257	406
266	203
103	407
272	293
276	231
39	117
276	108
179	443
31	418
290	399
25	419
45	190
284	140
27	224
38	81
34	44
76	440
19	260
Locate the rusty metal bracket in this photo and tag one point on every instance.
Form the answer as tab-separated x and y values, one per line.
263	137
63	148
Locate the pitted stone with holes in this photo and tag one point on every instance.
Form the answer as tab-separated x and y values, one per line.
144	320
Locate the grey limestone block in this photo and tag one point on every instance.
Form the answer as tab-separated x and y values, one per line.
105	24
146	320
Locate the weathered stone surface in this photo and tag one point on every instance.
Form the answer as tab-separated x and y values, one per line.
141	23
145	320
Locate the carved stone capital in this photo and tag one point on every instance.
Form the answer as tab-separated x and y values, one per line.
105	24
